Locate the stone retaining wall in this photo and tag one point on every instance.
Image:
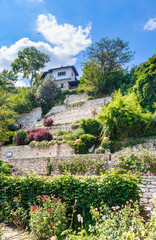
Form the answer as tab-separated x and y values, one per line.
23	152
38	166
148	191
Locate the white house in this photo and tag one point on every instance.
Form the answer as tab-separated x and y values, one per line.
65	77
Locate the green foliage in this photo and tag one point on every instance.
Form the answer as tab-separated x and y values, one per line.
5	168
29	61
123	118
86	190
48	217
91	126
20	137
80	166
7	80
145	87
116	223
110	54
137	163
22	101
47	93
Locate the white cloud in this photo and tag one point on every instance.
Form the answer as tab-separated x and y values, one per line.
65	43
20	84
68	40
150	25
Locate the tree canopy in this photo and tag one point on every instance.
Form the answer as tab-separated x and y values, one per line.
110	54
145	87
29	61
8	80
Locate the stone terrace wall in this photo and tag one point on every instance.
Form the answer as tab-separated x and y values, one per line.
24	152
37	166
148	191
70	113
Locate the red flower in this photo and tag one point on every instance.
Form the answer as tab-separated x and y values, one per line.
49	210
33	208
15	198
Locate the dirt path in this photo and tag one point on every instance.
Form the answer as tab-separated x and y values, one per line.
12	233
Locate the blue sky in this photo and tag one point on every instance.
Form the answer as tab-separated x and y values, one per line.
64	28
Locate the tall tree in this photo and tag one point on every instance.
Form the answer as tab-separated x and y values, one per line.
29	61
110	54
145	86
7	80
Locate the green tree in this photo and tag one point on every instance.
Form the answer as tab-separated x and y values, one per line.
29	61
47	93
110	54
7	115
90	79
145	87
123	117
7	80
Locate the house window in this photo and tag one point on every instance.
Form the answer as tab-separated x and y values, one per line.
62	86
61	74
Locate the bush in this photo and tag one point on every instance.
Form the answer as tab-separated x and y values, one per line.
87	141
123	117
43	134
78	166
91	126
20	137
48	217
39	134
48	122
116	223
5	168
111	188
140	163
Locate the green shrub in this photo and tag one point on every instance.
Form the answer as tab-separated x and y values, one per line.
48	217
20	137
80	166
137	163
87	141
91	126
5	168
111	188
21	101
116	223
123	117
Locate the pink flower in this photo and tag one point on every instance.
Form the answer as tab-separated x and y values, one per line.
117	207
148	166
49	210
5	203
15	198
96	209
129	171
130	166
33	208
37	222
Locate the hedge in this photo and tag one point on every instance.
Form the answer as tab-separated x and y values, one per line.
111	188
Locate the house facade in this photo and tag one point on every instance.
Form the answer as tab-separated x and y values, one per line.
64	76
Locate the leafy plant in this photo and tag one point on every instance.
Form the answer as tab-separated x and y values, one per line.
39	134
20	137
48	122
91	126
5	168
137	163
79	166
123	117
48	217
